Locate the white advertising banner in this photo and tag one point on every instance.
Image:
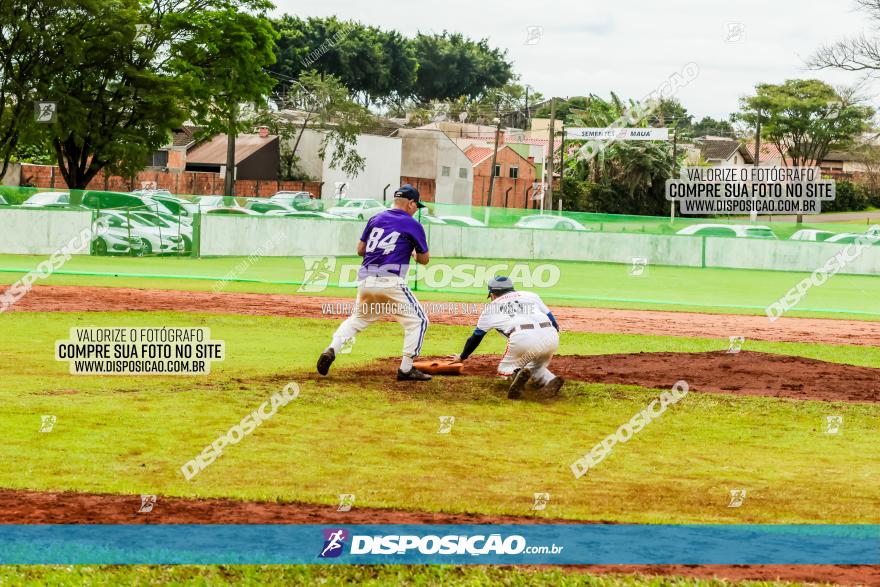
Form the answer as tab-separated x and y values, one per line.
619	134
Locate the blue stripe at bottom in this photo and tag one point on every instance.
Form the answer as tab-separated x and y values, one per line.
561	544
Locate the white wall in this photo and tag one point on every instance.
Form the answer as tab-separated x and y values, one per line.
382	167
786	255
242	236
42	232
277	237
307	151
453	189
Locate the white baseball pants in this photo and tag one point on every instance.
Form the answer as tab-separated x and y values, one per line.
531	349
385	296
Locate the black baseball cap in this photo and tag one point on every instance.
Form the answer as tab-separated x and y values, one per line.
410	193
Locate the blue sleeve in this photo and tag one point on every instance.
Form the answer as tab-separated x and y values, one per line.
553	321
472	343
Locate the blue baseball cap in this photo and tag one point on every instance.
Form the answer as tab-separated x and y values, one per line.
410	193
500	285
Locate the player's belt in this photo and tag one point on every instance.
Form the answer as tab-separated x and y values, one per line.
532	326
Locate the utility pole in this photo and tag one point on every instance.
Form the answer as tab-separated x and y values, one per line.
753	215
495	152
758	142
527	109
231	133
549	161
674	165
561	165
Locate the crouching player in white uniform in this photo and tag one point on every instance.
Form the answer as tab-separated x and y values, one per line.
532	336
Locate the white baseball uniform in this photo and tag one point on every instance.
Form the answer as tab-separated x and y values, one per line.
385	296
532	340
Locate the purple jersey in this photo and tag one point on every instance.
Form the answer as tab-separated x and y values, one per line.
391	237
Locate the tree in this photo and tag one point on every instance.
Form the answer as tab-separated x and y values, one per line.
113	108
34	38
126	81
805	119
383	66
224	61
711	127
858	53
373	64
626	177
451	65
565	109
322	103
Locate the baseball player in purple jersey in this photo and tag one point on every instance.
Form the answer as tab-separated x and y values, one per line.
387	244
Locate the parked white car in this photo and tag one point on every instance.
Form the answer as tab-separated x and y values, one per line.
48	200
550	222
167	225
734	230
304	214
152	238
428	219
811	235
846	238
360	208
215	202
229	211
118	240
461	221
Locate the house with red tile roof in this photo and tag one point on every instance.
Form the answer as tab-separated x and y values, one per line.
514	176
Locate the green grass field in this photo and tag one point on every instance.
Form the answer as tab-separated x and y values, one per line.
131	434
336	576
727	291
126	434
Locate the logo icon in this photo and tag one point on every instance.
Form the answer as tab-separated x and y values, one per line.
317	273
45	112
541	500
534	34
47	423
446	423
334	541
737	497
833	424
347	345
346	500
735	345
147	503
735	32
639	266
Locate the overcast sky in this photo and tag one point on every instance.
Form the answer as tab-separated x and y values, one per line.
630	46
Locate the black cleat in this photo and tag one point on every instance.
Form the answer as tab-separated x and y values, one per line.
519	382
325	360
413	375
554	385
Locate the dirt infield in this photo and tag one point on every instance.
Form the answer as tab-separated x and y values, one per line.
601	320
30	507
746	373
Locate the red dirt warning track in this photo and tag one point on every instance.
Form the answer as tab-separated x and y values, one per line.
52	298
30	507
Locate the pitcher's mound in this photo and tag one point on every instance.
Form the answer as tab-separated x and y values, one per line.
746	372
